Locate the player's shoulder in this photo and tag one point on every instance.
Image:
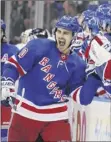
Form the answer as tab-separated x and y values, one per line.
41	43
10	47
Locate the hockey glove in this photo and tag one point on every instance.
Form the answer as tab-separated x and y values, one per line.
8	90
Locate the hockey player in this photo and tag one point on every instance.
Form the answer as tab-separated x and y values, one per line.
99	53
46	69
101	46
103	67
83	37
82	43
7	50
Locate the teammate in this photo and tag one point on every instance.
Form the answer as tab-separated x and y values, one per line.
100	49
83	36
7	50
46	69
99	53
103	67
91	25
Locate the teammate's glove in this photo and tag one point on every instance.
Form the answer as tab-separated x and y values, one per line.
90	70
8	89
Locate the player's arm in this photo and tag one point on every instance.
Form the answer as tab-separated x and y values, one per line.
24	60
84	90
78	76
19	65
85	93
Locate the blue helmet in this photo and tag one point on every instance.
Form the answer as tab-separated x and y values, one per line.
104	15
93	24
88	14
67	22
104	22
77	26
3	25
103	10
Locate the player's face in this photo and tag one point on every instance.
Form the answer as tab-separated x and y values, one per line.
63	38
109	29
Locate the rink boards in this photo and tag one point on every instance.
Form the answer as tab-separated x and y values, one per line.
92	122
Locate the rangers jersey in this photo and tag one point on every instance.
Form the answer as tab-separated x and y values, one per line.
45	74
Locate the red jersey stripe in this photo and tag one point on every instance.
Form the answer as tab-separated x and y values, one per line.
44	111
17	65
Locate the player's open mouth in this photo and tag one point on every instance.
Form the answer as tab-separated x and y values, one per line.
62	43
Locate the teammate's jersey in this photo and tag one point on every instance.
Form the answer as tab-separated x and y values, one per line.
80	44
7	50
99	61
100	49
46	74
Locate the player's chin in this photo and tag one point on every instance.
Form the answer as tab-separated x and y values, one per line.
61	49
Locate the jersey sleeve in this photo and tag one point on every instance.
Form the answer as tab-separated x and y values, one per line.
99	51
78	76
13	50
22	62
85	93
83	90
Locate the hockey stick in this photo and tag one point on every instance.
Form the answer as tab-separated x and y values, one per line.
14	106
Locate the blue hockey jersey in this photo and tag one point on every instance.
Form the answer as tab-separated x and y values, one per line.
7	50
45	74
